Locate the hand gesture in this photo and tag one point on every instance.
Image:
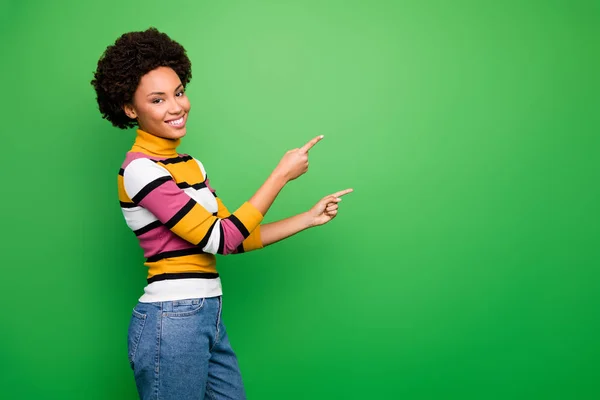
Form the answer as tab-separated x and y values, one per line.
327	208
295	162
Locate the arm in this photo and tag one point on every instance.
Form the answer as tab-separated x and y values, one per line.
151	186
266	194
266	234
275	231
321	213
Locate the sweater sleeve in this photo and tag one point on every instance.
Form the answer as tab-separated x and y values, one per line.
152	187
253	241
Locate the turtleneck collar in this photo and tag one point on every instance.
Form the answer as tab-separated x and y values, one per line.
153	145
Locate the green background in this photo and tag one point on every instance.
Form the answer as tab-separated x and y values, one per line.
465	265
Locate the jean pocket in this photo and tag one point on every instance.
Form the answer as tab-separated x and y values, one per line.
185	308
134	334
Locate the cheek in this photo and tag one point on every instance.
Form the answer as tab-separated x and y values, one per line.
186	104
153	114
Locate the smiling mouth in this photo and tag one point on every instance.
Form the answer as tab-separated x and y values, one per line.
176	123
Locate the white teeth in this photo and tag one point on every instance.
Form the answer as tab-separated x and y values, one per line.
176	122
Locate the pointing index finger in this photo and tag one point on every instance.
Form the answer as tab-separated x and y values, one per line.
343	192
310	144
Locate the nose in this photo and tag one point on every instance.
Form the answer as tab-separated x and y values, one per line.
174	107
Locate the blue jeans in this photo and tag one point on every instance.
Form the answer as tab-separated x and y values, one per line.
180	350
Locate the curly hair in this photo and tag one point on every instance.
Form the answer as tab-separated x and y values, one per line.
123	64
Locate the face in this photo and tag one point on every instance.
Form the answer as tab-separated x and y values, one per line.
160	105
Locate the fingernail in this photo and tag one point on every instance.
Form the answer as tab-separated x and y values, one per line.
338	199
322	136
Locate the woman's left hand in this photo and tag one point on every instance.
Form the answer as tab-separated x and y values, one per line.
326	209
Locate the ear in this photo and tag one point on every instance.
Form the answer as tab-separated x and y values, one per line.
130	111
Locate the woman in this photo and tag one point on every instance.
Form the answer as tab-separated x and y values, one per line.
178	347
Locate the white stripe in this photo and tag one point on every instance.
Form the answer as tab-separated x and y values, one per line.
215	238
204	197
138	217
139	173
180	289
201	168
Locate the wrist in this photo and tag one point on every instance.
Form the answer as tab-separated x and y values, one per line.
279	177
307	220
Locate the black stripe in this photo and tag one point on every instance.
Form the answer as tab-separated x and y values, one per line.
127	204
175	253
238	224
214	194
180	214
176	160
121	171
204	240
221	239
147	228
150	187
240	248
197	186
184	275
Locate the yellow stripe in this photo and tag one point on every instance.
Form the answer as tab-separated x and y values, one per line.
191	263
253	241
195	224
222	212
122	194
188	172
249	216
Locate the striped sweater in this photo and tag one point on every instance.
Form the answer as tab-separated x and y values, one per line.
179	220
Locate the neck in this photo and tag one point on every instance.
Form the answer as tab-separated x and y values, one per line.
154	145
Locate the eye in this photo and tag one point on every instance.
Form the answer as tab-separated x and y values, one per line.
179	94
156	101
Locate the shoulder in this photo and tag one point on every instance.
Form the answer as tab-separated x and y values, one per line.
139	169
200	165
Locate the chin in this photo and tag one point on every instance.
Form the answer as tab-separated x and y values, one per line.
174	134
181	133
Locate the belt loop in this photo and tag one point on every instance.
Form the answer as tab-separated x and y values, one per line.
167	306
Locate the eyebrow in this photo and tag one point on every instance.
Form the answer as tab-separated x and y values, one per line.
162	93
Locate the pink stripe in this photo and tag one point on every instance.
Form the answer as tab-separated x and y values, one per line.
207	181
132	156
232	237
161	239
165	201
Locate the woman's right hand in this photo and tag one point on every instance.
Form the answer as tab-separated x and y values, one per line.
295	162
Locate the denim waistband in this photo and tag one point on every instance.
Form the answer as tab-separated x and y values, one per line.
169	306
